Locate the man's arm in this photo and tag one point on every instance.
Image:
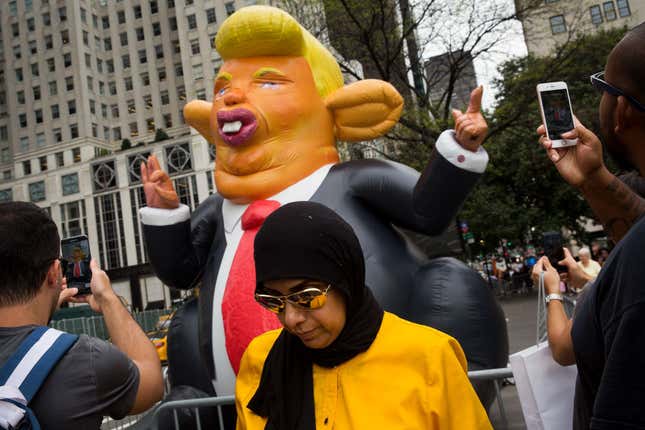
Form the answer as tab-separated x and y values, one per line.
615	205
128	337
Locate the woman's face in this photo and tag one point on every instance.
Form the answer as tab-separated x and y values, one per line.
316	328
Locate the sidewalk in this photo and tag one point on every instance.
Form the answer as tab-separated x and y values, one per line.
521	316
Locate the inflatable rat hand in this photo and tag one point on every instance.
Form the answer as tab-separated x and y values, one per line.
471	127
365	109
159	190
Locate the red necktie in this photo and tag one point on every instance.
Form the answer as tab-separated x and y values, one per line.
77	270
244	318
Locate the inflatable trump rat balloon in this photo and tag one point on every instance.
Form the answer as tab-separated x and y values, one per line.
279	105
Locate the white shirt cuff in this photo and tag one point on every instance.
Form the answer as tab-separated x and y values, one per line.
161	217
452	151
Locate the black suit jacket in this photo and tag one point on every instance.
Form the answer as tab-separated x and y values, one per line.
373	196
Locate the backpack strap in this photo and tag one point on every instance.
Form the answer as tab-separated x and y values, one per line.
23	374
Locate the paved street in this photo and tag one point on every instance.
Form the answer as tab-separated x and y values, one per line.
520	313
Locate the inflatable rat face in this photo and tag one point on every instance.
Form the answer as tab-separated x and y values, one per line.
279	104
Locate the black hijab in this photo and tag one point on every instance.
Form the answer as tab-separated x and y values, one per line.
308	240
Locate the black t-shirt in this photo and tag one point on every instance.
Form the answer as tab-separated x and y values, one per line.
609	341
93	379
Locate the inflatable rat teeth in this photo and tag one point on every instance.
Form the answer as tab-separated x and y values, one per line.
279	106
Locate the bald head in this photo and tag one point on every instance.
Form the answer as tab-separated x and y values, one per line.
626	63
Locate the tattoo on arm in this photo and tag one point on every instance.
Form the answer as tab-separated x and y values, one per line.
631	207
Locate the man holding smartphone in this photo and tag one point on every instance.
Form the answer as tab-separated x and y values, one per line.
94	378
605	339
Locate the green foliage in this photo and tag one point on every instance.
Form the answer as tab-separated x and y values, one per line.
126	144
161	135
521	188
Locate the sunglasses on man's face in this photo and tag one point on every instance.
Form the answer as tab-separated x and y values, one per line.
598	81
308	298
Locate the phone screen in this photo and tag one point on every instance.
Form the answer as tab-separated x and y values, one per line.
76	251
557	112
553	250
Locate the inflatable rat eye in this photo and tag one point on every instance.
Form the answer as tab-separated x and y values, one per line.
222	92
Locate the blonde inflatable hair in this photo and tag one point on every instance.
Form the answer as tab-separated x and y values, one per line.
256	31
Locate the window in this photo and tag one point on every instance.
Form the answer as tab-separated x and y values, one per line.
24	144
37	191
99	65
49	42
47	19
20	95
175	44
31	24
125	60
107	44
142	56
104	111
71	107
76	155
179	158
19	74
194	47
230	8
106	22
167	119
73	131
36	91
145	79
13	8
140	35
115	111
55	112
6	195
26	167
43	163
165	99
60	159
29	5
51	65
131	106
38	113
64	37
134	132
156	28
112	88
557	24
69	83
67	59
596	15
73	219
62	14
128	84
70	184
109	65
40	141
150	124
95	130
610	11
53	88
154	7
17	53
201	94
86	38
32	47
161	73
120	15
147	102
58	135
192	22
137	12
179	71
111	238
95	21
4	134
198	71
210	16
15	29
124	38
171	4
22	119
623	8
173	23
34	70
84	16
116	132
92	107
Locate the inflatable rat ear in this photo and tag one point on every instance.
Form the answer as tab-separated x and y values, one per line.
364	110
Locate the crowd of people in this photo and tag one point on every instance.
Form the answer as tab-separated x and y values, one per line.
336	358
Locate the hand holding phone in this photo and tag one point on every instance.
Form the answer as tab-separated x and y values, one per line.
76	253
553	249
556	112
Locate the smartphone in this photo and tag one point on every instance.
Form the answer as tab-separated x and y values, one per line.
552	242
557	115
76	252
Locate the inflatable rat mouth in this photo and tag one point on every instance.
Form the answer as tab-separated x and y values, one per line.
236	126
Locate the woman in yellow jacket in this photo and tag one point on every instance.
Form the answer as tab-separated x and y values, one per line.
341	362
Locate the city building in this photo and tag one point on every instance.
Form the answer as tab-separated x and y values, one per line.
88	89
550	23
454	73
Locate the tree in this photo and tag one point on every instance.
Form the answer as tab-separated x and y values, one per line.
521	189
126	144
160	135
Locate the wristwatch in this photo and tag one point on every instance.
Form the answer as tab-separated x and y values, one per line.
553	296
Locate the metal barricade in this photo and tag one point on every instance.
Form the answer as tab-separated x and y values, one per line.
95	326
195	405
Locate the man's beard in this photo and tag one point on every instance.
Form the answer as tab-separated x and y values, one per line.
617	151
